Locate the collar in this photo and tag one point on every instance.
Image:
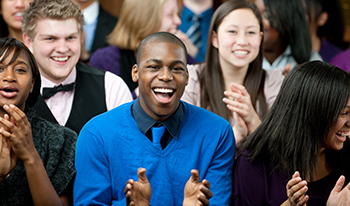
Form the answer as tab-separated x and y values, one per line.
187	14
287	52
91	13
48	83
145	122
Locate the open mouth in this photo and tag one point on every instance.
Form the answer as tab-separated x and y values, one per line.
164	94
240	52
8	92
342	135
18	14
60	59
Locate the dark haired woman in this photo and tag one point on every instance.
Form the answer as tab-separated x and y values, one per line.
306	130
36	156
231	82
286	34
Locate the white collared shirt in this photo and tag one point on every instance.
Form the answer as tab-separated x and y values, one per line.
116	92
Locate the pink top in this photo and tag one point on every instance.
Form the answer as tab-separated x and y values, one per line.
272	86
60	104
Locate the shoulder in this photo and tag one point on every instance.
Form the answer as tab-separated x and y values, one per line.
106	52
84	68
204	117
274	76
105	15
315	56
194	70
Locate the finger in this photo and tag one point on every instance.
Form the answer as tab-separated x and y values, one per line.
295	189
299	194
239	88
339	184
129	185
203	200
18	115
293	182
141	172
195	175
303	201
233	95
206	183
206	192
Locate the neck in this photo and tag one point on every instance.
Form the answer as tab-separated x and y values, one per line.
16	34
272	54
322	169
233	74
198	6
316	42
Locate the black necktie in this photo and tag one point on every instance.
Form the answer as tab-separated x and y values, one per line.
49	92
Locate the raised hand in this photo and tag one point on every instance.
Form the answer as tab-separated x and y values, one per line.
296	190
138	193
196	193
19	133
8	159
338	196
240	128
238	100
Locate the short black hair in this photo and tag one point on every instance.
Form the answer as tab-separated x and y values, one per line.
164	37
7	45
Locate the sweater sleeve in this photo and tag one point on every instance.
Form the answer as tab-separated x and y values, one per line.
219	173
93	184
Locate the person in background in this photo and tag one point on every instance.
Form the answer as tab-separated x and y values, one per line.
157	132
11	13
231	82
195	17
287	39
306	130
137	20
36	156
71	92
326	27
98	24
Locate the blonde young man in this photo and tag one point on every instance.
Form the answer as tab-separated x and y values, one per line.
71	92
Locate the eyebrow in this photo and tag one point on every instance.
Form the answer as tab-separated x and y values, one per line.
160	61
53	35
22	62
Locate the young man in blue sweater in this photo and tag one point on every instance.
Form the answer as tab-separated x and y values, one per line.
112	146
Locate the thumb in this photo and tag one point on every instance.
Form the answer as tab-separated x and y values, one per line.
339	184
195	176
141	173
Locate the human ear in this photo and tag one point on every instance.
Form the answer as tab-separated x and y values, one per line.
214	39
322	19
135	73
28	42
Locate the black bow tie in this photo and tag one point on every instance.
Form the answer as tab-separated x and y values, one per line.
49	92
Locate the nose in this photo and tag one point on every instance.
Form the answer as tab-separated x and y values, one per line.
62	46
8	75
165	74
242	39
20	3
177	20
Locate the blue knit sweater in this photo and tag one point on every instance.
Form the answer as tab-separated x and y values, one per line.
111	148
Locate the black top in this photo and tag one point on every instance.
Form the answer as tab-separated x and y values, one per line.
145	122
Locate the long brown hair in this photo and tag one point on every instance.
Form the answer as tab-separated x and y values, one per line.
212	82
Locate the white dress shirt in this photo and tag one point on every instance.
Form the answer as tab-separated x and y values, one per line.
116	92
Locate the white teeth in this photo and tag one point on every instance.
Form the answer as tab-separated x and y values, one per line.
344	133
241	52
163	90
19	14
60	59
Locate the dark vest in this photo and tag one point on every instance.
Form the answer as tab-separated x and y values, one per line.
89	98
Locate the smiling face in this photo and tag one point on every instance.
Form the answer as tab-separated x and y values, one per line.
56	47
170	17
238	41
340	131
12	10
16	81
162	77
